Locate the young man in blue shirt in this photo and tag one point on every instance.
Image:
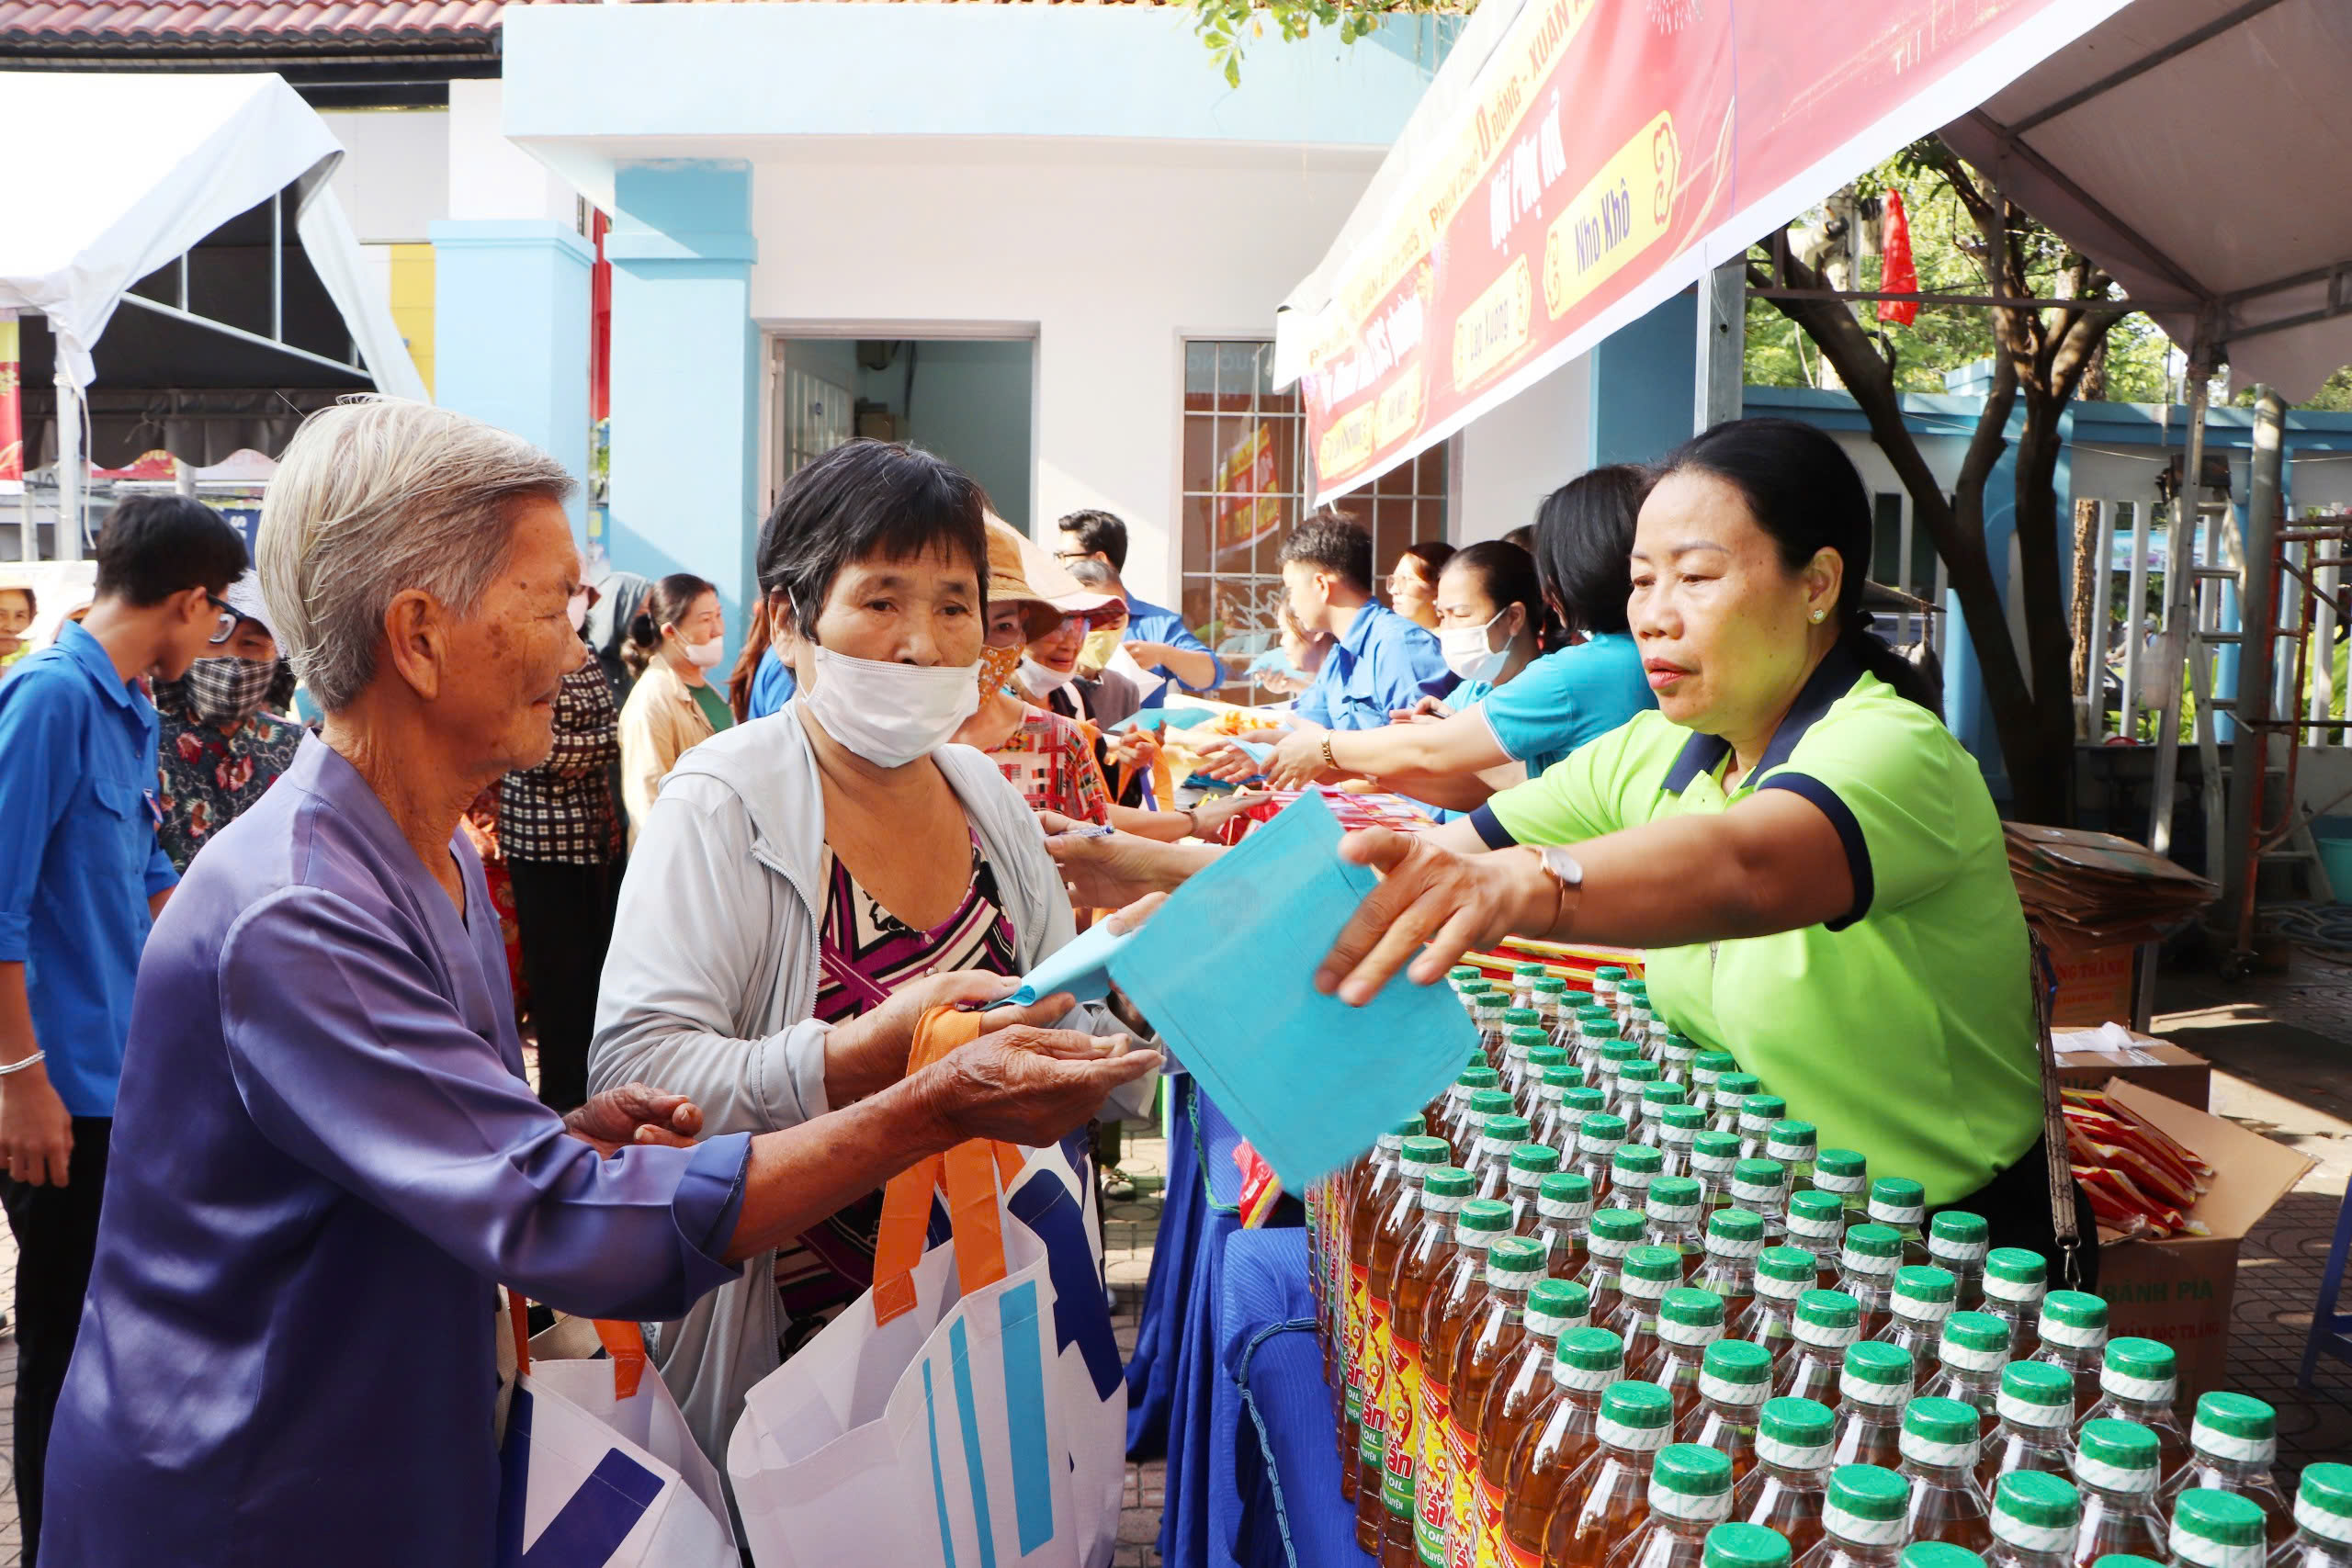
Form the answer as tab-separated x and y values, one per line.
1379	662
1157	636
81	879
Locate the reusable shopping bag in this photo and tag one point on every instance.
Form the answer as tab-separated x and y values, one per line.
970	1409
597	1467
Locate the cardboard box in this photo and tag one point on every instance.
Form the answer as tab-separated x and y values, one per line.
2094	981
2181	1290
2176	1074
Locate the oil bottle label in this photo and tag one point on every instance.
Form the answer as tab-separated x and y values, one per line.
1374	1415
1462	1520
1359	1308
1519	1556
1404	1425
1434	1486
1489	1552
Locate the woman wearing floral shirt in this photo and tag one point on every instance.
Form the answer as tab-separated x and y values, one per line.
219	750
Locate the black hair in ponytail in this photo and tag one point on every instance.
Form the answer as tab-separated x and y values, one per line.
1804	491
671	600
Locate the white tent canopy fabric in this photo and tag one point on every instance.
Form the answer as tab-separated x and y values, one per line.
2198	150
136	169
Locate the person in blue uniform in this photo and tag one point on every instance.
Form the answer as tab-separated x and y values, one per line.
287	1355
1157	636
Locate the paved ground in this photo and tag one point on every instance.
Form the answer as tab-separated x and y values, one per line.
2282	1051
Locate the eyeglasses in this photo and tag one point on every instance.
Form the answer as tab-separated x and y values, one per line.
229	618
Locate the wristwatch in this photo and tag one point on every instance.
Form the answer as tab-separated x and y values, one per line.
1566	874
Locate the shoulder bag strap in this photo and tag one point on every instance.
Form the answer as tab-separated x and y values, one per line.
2063	1223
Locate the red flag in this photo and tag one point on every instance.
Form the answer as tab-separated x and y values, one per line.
1896	273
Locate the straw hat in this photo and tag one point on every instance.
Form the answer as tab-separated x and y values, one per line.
1021	571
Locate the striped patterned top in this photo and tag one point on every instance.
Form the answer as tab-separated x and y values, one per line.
866	952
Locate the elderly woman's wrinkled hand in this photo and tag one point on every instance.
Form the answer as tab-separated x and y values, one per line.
634	1114
1106	871
1015	1089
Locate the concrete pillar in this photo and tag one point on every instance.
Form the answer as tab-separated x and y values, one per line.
510	333
685	398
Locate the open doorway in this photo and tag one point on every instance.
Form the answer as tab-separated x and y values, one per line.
967	400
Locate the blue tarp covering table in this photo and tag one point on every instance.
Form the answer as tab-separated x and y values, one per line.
1214	1322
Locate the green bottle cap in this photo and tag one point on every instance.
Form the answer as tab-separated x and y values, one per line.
1690	1317
1523	1018
1657	1099
1876	1373
2074	1318
1579	1102
1974	1342
1600	1131
1622	1226
1866	1504
1603	1029
1636	1415
1529	1163
2217	1529
1638	1072
1736	1372
1938	1555
2037	1395
1800	1427
1673	1200
1689	1481
1761	1111
1491	1101
1790	1268
1461	972
2013	1275
2323	1505
1490	1217
1790	1142
1542	1055
2116	1456
1528	1037
1924	1294
1476	1078
1897	1200
1530	970
2035	1511
1514	1263
1840	1171
1589	1359
1731	1233
1816	1216
1448	1181
2236	1427
1410	1127
1939	1431
1872	1248
2123	1559
2142	1370
1745	1546
1610	974
1637	1160
1619	1054
1425	1155
1549	986
1737	1087
1714	1063
1678	1047
1564	1077
1555	1306
1828	1318
1686	1120
1956	1237
1758	1180
1506	1129
1570	1189
1714	1152
1658	1267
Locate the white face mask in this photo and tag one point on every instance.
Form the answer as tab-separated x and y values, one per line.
704	655
1466	653
888	713
1043	680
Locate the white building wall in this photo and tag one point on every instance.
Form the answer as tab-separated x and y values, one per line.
393	181
1112	253
1510	458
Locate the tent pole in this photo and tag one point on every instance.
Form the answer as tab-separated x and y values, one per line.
71	480
1722	345
2257	620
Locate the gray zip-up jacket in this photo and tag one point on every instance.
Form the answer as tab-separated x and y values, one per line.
712	975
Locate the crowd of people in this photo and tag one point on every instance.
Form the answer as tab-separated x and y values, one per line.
282	970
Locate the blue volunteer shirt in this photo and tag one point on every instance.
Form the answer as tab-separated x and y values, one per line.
78	856
1147	622
1565	698
1383	663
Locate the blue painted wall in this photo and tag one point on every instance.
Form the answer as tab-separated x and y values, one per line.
685	394
1643	383
510	333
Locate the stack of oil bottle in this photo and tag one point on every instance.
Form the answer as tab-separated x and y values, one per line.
1605	1304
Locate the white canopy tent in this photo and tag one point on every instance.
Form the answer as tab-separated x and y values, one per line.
135	170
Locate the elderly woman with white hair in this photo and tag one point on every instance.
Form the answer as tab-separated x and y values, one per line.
288	1353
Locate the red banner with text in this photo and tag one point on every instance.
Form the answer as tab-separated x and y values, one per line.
1609	149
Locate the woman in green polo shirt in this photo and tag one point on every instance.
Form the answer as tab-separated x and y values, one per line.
1812	861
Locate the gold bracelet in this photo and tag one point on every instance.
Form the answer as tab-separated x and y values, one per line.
1329	760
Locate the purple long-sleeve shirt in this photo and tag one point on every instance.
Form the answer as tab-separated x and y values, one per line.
324	1156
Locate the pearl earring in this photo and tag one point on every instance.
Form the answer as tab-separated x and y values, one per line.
1819	616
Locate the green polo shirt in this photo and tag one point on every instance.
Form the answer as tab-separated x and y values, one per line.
1903	1029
